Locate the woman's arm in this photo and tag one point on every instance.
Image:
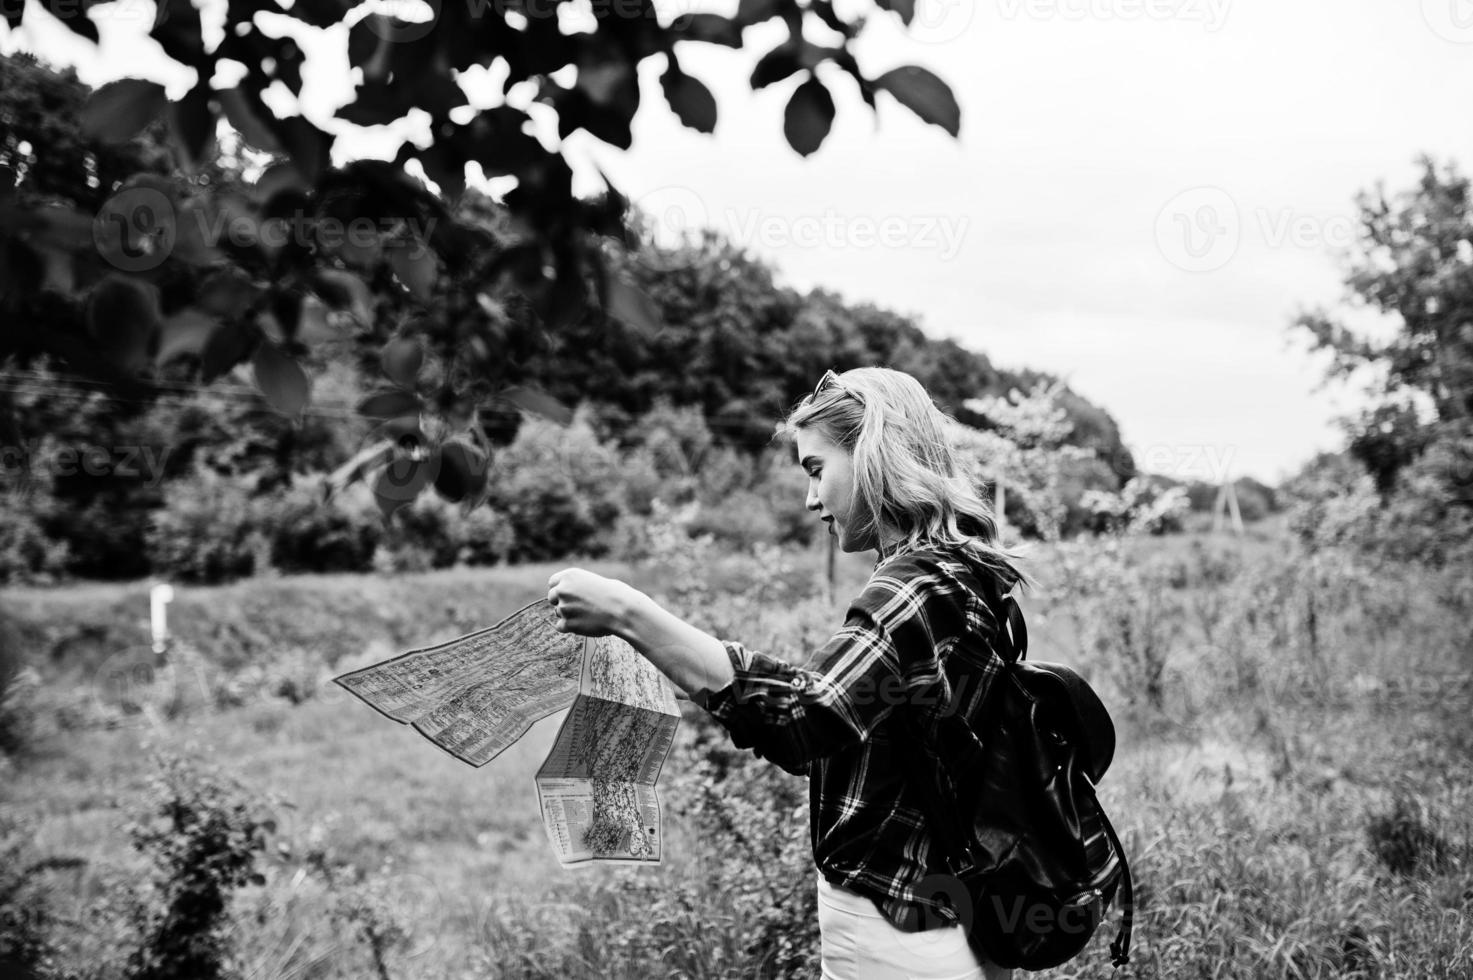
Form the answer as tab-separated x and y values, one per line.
694	660
593	605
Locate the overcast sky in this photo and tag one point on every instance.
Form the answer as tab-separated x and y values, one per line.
1143	194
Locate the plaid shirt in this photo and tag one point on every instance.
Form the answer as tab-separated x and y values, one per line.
916	638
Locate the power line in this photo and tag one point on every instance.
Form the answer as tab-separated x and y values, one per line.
76	386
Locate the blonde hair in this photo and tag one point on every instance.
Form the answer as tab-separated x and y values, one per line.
906	470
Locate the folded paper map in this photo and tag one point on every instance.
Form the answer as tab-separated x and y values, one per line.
475	695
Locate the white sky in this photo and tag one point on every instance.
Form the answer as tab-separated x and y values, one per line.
1144	191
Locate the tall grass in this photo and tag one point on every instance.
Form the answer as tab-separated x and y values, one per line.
1293	779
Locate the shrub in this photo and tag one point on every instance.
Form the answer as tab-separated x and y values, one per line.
27	918
742	519
26	553
560	490
203	532
310	535
1140	507
203	832
1403	840
484	537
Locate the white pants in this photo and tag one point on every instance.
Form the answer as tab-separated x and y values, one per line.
858	943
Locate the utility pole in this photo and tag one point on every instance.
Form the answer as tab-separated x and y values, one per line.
1227	503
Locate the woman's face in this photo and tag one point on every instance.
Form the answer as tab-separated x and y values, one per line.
830	472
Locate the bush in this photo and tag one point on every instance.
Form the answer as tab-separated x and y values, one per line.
310	535
742	519
27	555
27	919
16	722
203	832
203	533
559	489
1140	507
484	537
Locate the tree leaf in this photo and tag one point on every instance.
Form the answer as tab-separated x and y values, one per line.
247	116
313	325
462	471
226	347
751	12
633	307
538	403
353	470
690	100
185	332
227	292
403	480
177	29
809	115
415	266
192	126
276	178
905	8
343	290
281	379
119	110
776	65
401	360
123	317
390	405
310	148
924	94
74	16
711	28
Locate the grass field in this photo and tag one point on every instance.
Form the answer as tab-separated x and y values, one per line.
1296	803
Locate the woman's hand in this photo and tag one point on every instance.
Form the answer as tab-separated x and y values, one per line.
589	604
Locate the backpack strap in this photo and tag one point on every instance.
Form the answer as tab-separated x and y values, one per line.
1120	948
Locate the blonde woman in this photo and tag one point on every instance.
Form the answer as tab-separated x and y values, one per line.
883	477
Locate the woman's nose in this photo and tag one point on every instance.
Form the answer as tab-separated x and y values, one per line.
812	502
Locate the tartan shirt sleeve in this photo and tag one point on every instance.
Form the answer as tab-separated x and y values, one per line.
888	651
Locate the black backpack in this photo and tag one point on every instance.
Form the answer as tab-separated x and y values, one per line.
1034	860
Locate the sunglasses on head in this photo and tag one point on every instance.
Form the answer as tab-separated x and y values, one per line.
830	381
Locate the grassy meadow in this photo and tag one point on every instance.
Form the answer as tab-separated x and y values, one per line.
1293	779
